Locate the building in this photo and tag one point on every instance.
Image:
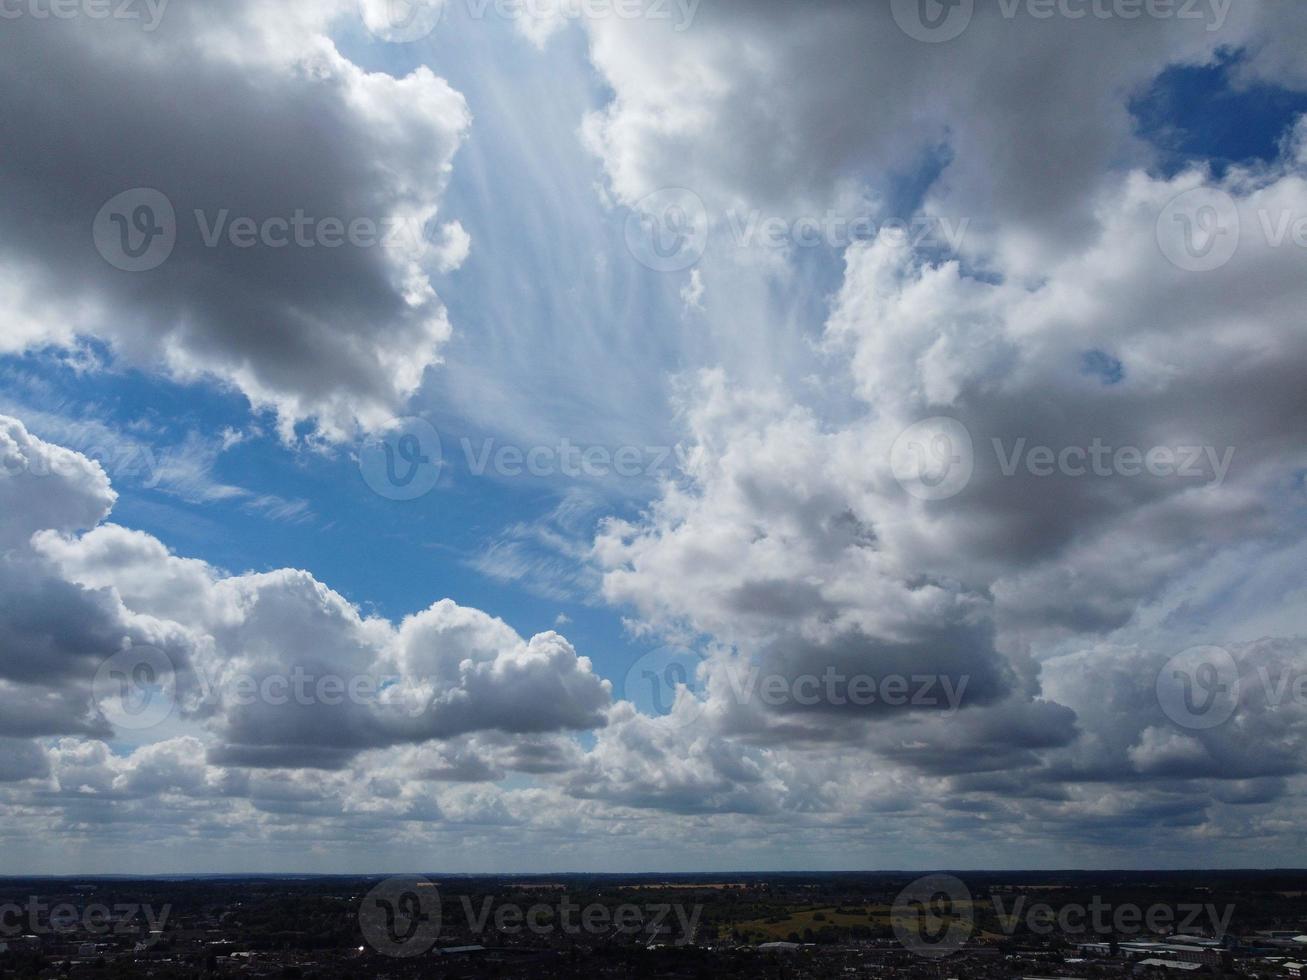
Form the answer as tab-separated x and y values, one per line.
1157	963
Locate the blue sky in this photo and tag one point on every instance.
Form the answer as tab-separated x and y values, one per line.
794	397
524	186
561	335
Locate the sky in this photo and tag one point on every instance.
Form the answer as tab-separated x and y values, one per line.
651	435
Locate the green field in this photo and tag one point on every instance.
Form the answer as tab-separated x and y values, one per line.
780	926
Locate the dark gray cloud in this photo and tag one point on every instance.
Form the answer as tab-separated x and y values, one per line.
287	125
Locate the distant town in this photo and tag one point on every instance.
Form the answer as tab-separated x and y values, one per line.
784	925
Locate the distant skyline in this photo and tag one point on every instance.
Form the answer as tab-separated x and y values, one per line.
641	437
